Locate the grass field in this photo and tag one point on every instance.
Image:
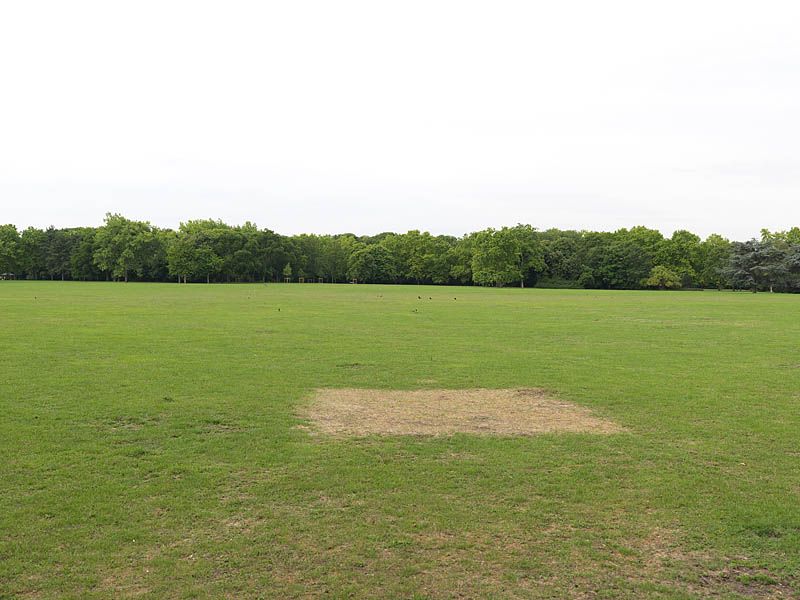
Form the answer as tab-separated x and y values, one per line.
149	444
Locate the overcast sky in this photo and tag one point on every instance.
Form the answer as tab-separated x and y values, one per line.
338	116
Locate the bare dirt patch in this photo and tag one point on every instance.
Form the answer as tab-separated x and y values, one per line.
362	412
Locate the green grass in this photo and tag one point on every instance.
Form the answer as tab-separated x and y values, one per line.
148	444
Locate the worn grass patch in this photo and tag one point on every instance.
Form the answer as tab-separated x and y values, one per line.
506	412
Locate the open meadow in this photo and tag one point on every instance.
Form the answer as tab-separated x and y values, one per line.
160	441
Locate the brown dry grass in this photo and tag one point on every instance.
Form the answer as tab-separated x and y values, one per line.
362	412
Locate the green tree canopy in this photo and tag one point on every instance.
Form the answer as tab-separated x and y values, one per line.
507	255
123	246
662	278
9	248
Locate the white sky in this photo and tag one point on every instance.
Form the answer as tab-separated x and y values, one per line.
337	116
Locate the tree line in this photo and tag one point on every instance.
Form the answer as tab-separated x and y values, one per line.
212	251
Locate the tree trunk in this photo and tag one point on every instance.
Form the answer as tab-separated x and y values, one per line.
208	278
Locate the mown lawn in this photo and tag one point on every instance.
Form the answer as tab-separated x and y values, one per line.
149	444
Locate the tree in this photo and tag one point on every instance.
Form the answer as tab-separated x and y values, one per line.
32	253
460	259
506	255
201	250
211	250
59	246
335	254
9	248
436	263
562	254
180	257
771	268
272	253
493	259
618	260
81	260
739	270
793	267
662	278
789	238
758	265
681	255
206	261
244	263
372	264
122	245
412	263
154	265
713	255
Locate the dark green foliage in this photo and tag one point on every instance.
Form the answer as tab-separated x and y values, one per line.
620	260
208	250
82	264
213	251
58	246
508	255
713	255
767	264
123	247
562	254
9	248
680	254
372	264
33	253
